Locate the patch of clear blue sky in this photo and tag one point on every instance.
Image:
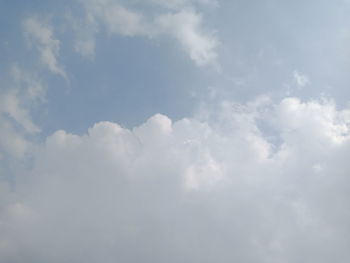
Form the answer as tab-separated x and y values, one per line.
129	80
265	41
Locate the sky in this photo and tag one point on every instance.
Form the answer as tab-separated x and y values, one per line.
174	131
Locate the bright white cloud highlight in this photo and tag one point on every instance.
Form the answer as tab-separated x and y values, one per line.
196	190
41	36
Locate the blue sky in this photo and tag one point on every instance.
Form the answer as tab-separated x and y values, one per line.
260	45
174	131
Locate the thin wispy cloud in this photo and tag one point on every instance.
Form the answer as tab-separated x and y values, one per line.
41	37
182	25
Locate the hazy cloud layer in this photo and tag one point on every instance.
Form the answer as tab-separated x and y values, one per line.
219	188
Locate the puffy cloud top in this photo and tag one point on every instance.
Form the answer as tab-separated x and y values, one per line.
216	189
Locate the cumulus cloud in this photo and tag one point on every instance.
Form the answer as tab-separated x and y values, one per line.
181	24
40	35
201	189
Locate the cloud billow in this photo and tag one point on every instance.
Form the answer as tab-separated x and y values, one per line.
213	189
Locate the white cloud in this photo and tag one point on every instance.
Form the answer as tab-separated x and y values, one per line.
300	79
12	112
11	141
10	105
85	31
179	4
107	14
182	24
40	34
185	27
214	189
172	3
34	89
116	18
86	47
15	118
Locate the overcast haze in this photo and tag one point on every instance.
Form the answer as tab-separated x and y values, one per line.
174	131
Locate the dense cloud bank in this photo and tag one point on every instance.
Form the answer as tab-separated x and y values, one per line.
259	182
